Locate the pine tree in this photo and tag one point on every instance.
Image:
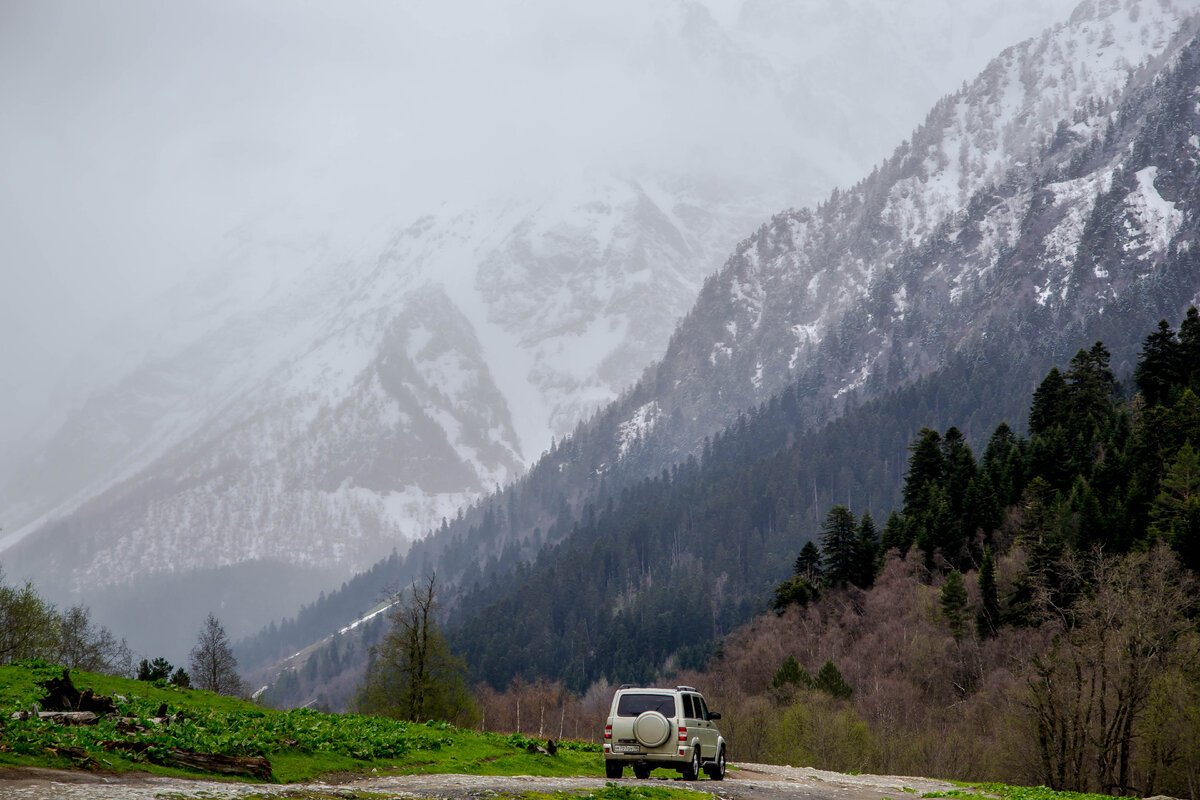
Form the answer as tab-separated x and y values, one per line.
895	535
1050	403
839	543
1175	514
829	680
953	599
926	466
987	620
1091	384
1159	365
791	673
867	552
1189	350
808	563
157	670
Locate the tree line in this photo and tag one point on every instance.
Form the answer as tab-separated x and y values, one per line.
32	628
1062	570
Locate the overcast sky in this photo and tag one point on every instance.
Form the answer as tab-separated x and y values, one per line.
135	135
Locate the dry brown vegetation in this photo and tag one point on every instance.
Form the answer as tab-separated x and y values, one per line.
1103	695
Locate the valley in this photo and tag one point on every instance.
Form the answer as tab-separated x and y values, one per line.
895	461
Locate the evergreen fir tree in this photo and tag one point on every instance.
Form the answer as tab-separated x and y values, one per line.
867	552
1050	403
1159	365
953	599
895	535
791	673
1175	514
839	543
987	620
1189	350
926	466
808	563
829	680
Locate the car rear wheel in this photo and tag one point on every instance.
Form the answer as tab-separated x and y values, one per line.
692	771
641	773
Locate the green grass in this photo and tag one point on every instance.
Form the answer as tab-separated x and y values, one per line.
609	792
1004	791
300	744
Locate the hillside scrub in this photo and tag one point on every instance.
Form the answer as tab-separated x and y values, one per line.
1028	617
1073	552
299	744
31	627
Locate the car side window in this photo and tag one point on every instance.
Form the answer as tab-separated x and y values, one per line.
702	709
688	709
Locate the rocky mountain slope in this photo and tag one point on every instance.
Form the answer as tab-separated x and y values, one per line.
1049	203
317	401
1007	216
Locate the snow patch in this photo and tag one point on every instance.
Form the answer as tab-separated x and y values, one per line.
638	425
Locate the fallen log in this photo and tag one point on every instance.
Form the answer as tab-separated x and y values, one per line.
76	754
60	717
253	766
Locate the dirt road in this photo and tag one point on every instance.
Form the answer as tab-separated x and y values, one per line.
743	782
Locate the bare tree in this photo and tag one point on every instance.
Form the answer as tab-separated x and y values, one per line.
28	624
84	646
1088	693
212	663
412	674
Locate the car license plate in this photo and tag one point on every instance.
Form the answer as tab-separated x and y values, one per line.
626	748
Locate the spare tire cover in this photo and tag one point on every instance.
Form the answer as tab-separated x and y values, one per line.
651	728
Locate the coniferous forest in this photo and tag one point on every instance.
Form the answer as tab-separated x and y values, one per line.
1026	615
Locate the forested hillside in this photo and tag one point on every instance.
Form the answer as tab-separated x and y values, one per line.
658	573
1124	188
1029	616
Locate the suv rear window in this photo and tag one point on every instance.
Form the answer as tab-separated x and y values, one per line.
630	705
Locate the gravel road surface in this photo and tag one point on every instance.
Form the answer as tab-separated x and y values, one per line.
743	782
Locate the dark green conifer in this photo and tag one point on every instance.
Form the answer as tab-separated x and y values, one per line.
839	543
1159	365
895	535
790	673
808	563
987	620
1189	349
1050	403
867	551
926	466
953	599
830	680
1175	514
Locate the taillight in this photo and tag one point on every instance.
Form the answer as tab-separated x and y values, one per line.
682	734
608	731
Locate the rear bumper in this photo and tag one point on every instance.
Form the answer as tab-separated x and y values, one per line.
677	757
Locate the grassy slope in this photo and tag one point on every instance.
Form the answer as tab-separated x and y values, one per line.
300	744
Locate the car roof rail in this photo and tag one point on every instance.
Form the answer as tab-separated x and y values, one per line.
625	686
685	688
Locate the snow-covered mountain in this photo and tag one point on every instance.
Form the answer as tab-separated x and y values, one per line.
983	227
331	418
317	400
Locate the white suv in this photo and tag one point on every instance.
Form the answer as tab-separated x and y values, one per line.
670	728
